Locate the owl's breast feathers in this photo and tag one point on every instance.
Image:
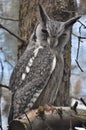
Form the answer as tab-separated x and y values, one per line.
36	62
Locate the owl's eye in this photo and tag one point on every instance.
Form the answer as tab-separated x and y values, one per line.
45	32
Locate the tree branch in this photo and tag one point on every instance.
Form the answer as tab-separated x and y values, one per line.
2	67
4	18
20	39
81	23
54	117
80	37
79	66
4	86
79	40
82	100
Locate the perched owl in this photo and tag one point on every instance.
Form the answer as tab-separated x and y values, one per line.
35	67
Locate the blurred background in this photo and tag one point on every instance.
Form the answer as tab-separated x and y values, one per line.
8	52
8	44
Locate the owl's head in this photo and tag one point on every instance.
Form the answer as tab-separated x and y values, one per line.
52	30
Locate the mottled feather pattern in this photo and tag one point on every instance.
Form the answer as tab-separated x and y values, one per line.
38	67
24	97
19	69
34	80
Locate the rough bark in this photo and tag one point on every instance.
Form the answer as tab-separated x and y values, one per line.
63	94
57	9
51	118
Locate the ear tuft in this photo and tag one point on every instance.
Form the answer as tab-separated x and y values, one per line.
71	21
43	15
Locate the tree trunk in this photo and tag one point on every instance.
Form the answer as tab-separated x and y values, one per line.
59	10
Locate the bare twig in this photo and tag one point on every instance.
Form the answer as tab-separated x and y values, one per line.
80	37
81	23
60	113
5	55
79	66
74	107
78	49
28	120
79	41
11	19
9	63
4	86
82	100
80	29
78	55
20	39
2	67
79	99
1	94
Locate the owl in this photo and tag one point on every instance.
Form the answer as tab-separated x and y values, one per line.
42	56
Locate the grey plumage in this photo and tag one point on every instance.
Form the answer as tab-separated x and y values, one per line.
43	54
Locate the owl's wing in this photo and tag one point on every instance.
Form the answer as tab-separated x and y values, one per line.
36	62
15	78
25	98
35	72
